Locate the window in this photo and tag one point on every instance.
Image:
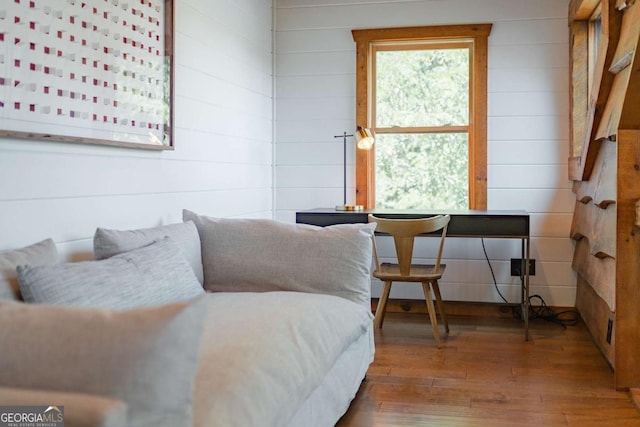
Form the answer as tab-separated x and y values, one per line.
422	90
420	114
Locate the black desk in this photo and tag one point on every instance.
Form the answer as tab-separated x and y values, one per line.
472	223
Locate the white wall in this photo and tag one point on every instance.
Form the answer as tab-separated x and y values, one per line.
222	163
527	127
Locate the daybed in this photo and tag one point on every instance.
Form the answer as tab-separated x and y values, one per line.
209	322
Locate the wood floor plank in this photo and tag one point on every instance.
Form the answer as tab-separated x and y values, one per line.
599	421
474	416
487	375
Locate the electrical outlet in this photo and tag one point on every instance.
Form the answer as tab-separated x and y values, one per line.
516	266
609	330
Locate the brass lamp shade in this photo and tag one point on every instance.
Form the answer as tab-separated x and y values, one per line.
364	138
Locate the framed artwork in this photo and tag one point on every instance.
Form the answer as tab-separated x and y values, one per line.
88	71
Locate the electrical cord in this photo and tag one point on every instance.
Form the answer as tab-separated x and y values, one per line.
563	318
495	283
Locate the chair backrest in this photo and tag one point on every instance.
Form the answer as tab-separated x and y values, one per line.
404	231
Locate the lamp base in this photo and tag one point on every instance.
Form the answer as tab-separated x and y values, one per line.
349	207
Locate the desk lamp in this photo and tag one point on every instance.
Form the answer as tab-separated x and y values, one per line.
364	141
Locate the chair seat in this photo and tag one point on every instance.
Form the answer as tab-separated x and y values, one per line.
418	272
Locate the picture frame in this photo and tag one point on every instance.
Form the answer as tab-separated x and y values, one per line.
88	71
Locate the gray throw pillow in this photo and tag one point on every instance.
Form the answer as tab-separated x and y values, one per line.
153	275
267	255
146	357
107	243
41	253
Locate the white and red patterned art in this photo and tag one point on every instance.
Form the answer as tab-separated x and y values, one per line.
96	71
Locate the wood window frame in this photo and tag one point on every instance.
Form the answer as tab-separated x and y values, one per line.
365	160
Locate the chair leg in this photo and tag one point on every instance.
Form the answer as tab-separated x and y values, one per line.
443	315
382	306
426	287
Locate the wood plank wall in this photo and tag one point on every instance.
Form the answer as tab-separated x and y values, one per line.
223	159
528	128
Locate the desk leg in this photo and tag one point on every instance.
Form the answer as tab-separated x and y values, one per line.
525	287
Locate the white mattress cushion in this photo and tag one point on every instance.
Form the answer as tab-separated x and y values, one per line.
263	354
331	399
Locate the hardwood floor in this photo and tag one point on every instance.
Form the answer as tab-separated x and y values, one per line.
487	375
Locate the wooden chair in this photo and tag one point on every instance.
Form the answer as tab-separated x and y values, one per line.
404	232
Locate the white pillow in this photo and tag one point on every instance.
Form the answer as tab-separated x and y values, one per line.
146	357
153	275
107	243
266	255
41	253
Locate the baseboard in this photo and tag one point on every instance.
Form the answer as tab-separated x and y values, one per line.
454	308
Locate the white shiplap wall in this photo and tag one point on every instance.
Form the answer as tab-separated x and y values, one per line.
223	159
527	127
